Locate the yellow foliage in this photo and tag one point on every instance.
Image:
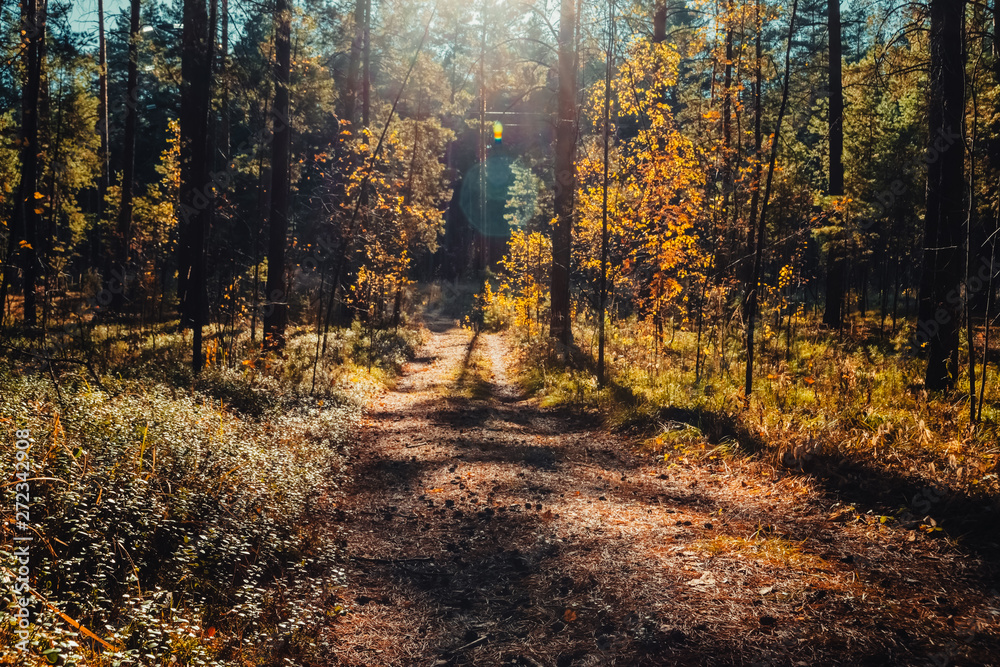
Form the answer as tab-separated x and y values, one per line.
522	298
655	193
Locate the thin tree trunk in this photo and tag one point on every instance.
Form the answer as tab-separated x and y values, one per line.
758	141
971	213
366	75
354	65
660	21
565	179
276	318
603	297
986	334
102	109
833	313
25	219
124	226
762	221
727	122
224	78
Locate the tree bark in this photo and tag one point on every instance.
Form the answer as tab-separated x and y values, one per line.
366	56
124	226
727	115
758	250
354	65
276	318
565	179
746	271
25	220
603	296
195	188
102	108
833	313
940	286
660	21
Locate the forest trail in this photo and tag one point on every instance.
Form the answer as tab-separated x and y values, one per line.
485	530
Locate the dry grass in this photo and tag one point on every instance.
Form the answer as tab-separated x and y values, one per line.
496	531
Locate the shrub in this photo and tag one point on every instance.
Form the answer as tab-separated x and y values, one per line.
169	524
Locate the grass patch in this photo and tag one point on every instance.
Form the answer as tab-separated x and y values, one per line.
773	551
819	399
474	378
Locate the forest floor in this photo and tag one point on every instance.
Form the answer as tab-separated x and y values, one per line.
486	530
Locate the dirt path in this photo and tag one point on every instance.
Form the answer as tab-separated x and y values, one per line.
485	530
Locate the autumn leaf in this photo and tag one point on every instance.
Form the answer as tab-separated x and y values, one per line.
569	615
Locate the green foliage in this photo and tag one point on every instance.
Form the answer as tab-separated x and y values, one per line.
189	523
848	400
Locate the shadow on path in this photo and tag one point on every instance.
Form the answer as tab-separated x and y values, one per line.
487	531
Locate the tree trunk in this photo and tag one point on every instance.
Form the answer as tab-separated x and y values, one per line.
366	65
276	318
354	65
124	226
194	187
940	286
102	109
746	271
224	78
660	21
833	313
758	250
727	119
603	296
565	179
25	219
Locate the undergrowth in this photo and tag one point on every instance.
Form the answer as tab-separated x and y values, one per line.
184	521
818	399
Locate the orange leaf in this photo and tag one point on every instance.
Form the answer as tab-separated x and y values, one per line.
210	633
569	615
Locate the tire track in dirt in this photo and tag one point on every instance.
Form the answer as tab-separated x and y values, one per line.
485	530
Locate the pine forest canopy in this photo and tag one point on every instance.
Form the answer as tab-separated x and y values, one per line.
723	168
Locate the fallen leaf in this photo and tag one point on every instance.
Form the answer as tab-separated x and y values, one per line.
569	615
706	579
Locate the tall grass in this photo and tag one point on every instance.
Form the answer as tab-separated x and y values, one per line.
818	395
